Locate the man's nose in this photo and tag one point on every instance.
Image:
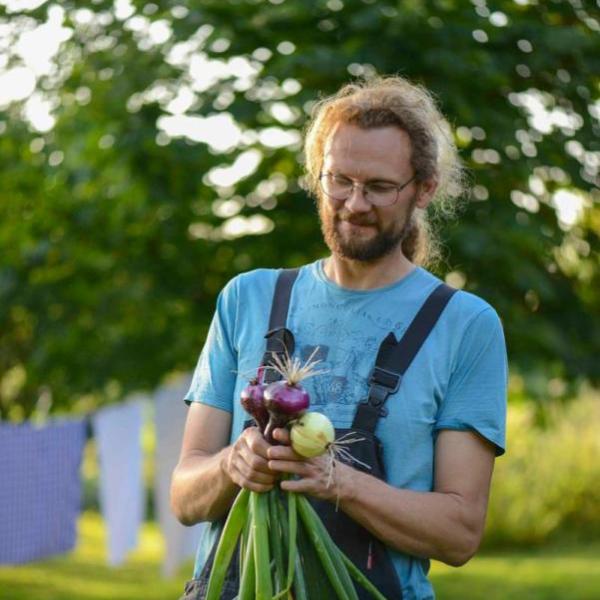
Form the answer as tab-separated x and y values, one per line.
356	201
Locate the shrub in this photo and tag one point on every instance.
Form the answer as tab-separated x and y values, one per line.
548	482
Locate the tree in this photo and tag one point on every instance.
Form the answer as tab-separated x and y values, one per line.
120	218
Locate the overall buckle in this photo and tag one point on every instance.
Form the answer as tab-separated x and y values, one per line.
382	383
389	380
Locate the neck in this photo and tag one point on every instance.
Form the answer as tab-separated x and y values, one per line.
359	275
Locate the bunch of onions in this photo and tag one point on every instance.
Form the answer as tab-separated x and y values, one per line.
285	550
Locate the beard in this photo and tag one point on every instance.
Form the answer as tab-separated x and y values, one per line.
386	238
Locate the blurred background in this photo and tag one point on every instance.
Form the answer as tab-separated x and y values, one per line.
149	151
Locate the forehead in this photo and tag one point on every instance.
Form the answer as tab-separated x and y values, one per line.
368	153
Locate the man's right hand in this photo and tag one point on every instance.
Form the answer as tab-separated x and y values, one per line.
246	463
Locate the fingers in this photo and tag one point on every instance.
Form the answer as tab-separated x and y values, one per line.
318	477
314	479
254	462
256	465
283	453
324	490
255	468
250	482
294	467
300	486
282	435
248	465
255	442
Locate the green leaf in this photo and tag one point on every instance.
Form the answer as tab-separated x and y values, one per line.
227	544
276	541
248	574
262	557
337	574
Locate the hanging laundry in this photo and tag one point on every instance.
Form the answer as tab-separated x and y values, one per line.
40	489
117	430
169	417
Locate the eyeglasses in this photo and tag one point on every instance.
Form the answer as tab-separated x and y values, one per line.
378	193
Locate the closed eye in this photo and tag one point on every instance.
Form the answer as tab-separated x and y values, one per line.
378	187
341	180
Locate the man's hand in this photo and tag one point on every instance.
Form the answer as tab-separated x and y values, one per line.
247	462
316	478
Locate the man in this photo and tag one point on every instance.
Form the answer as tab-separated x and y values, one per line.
378	155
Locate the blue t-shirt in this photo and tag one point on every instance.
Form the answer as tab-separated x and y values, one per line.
457	380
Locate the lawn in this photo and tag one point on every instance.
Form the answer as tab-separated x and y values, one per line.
554	573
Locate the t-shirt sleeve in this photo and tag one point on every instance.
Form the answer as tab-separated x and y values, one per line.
476	394
214	378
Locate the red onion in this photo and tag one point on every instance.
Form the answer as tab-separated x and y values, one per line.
285	402
252	399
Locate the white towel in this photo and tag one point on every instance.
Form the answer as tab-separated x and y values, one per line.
169	417
117	430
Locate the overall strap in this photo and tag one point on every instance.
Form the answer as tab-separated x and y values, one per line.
280	340
394	358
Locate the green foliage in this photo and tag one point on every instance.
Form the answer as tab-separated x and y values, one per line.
115	236
547	484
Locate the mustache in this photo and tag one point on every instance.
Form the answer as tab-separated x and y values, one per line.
362	219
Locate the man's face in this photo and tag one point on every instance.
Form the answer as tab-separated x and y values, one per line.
355	229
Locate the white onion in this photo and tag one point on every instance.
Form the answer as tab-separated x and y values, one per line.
312	434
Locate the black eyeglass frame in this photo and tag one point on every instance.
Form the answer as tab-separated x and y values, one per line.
355	184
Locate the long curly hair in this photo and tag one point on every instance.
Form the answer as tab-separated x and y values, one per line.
395	101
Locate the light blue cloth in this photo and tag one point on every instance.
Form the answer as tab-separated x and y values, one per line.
118	433
169	422
40	489
457	380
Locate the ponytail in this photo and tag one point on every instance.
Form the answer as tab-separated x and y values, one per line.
419	245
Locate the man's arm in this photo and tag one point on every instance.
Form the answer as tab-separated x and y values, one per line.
210	472
445	524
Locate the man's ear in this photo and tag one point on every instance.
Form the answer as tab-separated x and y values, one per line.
426	192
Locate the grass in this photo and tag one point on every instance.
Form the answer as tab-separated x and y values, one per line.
85	575
550	573
571	572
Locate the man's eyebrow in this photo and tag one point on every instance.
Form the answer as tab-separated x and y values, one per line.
382	180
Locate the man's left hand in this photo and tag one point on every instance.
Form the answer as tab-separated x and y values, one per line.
314	474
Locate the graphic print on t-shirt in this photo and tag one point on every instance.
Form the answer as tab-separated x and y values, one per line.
347	347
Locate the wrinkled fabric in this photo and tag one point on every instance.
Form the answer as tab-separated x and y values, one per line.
117	430
169	419
40	489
